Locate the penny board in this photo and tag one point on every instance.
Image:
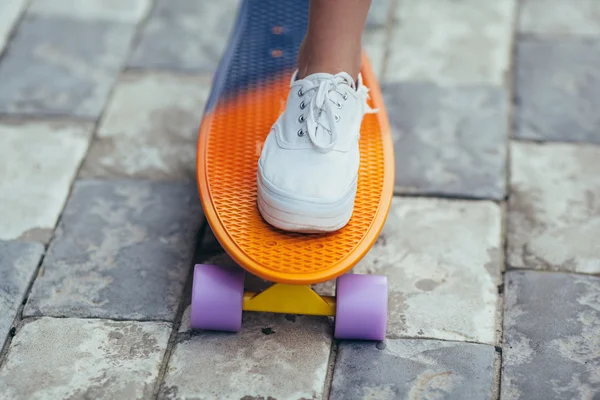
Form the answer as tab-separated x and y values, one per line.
248	94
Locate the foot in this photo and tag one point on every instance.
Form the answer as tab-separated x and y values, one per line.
308	168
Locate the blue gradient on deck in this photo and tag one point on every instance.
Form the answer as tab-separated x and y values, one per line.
248	59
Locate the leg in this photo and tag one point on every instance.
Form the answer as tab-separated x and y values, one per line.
333	40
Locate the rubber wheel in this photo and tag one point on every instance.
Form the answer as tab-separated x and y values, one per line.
217	295
361	307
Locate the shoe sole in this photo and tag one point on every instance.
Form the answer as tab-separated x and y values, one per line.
294	215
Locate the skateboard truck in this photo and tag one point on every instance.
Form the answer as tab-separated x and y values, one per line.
359	307
289	299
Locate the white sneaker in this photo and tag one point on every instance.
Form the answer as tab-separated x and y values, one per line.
308	168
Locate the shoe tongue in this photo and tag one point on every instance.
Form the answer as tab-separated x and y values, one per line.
322	76
318	77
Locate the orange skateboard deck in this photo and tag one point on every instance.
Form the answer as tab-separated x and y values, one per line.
248	95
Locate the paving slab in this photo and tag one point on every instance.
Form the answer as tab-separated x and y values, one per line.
132	11
443	261
551	336
83	359
452	42
448	141
554	207
10	11
18	262
185	35
558	90
274	356
62	66
413	369
149	128
560	18
38	162
122	250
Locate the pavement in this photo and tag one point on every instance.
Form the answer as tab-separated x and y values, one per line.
491	247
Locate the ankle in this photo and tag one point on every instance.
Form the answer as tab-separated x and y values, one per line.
312	60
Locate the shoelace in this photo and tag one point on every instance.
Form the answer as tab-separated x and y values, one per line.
321	103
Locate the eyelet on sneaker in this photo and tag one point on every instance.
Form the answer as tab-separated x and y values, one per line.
302	105
300	133
337	118
345	96
301	118
337	105
300	92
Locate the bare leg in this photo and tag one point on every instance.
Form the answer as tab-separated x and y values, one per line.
333	39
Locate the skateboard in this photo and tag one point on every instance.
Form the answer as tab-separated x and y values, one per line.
248	94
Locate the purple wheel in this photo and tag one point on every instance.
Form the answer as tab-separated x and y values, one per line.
217	295
361	307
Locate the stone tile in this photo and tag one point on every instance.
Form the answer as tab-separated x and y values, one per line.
443	262
122	250
84	359
556	17
551	336
186	35
273	356
558	90
554	207
452	42
10	11
18	262
38	161
413	369
449	142
149	128
132	11
61	66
